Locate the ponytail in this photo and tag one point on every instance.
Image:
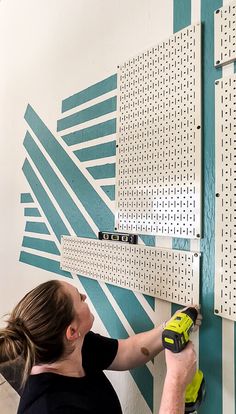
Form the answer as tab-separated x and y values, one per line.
36	328
15	342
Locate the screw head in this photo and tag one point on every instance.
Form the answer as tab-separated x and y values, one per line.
217	194
216	311
198	236
198	127
217	11
195	255
216	82
217	62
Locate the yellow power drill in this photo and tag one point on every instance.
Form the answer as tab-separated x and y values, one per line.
175	337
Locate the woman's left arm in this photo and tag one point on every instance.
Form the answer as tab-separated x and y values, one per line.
137	350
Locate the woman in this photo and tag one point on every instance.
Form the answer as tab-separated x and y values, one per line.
64	360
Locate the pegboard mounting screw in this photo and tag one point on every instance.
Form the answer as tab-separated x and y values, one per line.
217	194
195	255
216	82
217	62
198	236
217	11
216	311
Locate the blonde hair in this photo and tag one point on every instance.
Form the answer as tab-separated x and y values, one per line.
36	327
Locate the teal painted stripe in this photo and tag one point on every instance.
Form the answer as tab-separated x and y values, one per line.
43	263
79	184
32	212
66	203
150	300
131	307
182	14
35	227
94	111
142	375
144	381
181	244
48	208
92	92
97	151
148	240
102	171
211	332
40	244
26	198
87	134
109	190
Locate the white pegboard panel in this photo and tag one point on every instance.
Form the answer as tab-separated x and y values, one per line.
158	169
225	219
225	34
171	275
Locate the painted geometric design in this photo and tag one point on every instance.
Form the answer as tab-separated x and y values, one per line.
170	275
158	187
72	185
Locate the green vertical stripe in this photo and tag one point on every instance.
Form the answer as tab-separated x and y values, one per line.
32	212
40	244
94	111
26	198
93	91
182	14
43	263
211	332
36	227
95	131
107	149
141	375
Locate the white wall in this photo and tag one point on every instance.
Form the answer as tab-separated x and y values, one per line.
49	50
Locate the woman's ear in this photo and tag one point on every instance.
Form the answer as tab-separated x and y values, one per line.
72	333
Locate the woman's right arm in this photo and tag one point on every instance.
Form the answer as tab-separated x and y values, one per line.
181	368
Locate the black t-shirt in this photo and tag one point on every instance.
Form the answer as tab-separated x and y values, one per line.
50	393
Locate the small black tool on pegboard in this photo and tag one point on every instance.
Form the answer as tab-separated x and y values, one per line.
120	237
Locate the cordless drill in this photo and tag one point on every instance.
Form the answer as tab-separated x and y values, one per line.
175	337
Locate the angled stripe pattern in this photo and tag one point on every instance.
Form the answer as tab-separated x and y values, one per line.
36	227
79	184
43	263
26	198
93	91
109	190
97	151
95	111
47	206
94	205
40	244
32	212
70	209
95	131
102	171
